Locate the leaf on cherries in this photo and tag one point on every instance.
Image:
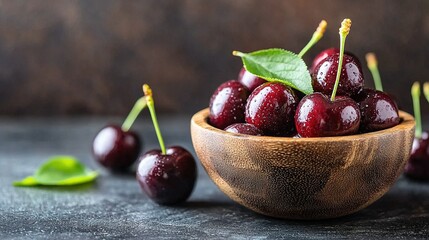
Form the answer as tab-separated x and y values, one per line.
278	65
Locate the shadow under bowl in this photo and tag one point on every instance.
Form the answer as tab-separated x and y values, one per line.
303	178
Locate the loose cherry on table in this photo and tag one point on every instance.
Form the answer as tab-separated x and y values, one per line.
244	128
167	178
271	108
227	104
117	147
168	175
319	116
417	166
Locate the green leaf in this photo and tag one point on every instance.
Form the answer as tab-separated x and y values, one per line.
59	171
26	182
278	65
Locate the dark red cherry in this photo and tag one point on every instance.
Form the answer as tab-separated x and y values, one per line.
378	110
418	166
351	78
322	55
244	128
116	149
318	116
326	53
227	104
249	80
271	107
167	179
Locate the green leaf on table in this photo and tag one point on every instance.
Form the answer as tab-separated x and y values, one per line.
59	171
26	182
278	65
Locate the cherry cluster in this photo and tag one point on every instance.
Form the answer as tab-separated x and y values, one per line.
340	105
167	175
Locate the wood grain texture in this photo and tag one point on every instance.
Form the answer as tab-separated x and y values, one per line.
307	178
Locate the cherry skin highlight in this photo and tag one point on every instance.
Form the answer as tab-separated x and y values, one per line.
318	116
271	108
321	56
227	104
244	128
327	53
378	110
351	78
249	80
116	149
167	179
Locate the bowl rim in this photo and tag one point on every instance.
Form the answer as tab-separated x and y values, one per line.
407	123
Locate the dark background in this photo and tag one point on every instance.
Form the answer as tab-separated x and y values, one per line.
64	58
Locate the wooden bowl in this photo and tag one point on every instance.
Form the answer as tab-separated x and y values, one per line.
303	178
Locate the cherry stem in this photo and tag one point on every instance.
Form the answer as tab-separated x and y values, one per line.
344	31
317	35
134	113
371	61
415	94
151	105
238	53
426	90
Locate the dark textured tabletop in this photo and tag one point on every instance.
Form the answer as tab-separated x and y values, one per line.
115	208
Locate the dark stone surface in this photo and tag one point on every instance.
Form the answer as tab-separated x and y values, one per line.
69	57
115	208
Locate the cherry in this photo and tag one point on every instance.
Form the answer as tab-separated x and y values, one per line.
351	79
227	104
271	108
372	64
249	80
318	116
327	53
417	166
115	147
167	176
322	56
244	128
378	110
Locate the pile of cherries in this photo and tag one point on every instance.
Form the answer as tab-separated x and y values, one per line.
251	105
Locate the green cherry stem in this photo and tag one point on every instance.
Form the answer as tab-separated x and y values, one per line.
135	111
151	105
371	61
415	94
344	31
317	35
